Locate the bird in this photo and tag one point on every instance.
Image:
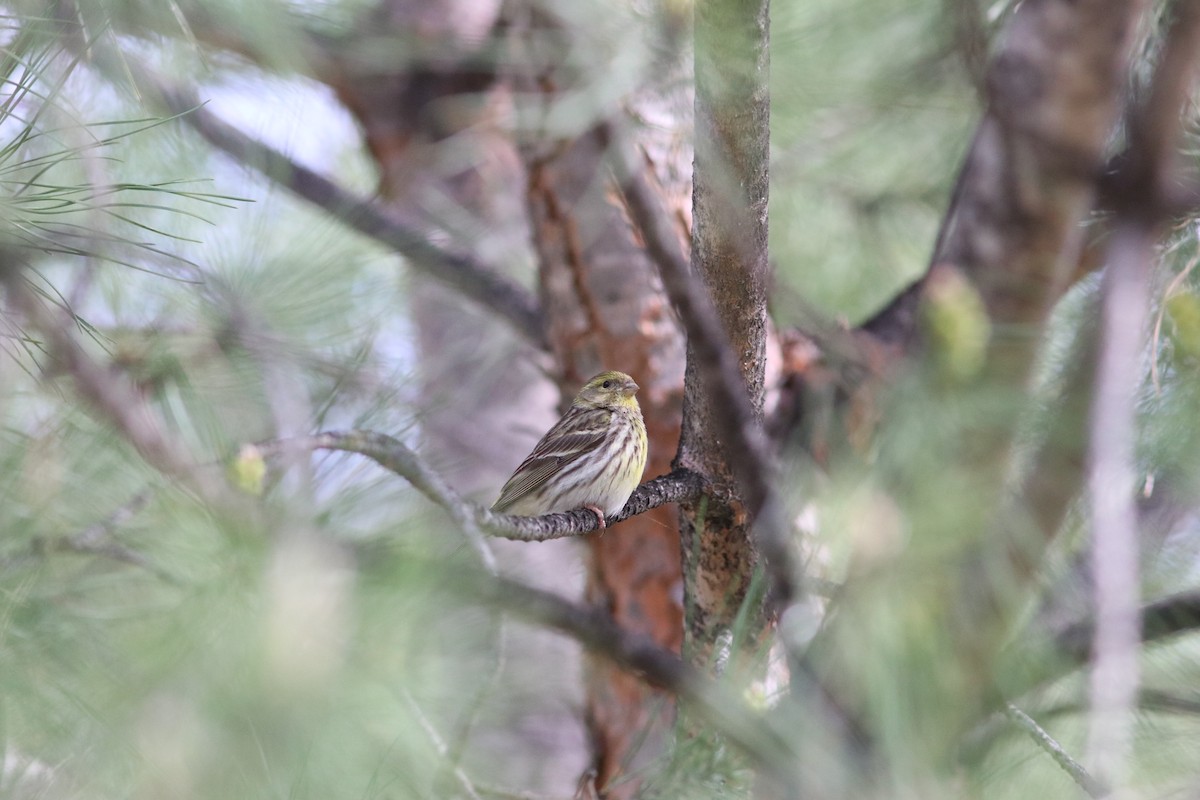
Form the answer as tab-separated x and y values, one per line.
592	458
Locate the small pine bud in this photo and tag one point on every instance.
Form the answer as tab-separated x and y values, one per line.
956	324
248	470
1183	310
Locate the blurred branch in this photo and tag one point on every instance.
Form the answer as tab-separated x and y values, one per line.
978	743
1044	740
463	273
1025	667
98	540
596	631
1141	196
1115	670
1013	234
1035	662
1165	702
1152	700
109	394
737	425
439	745
1029	177
1141	211
1162	619
484	690
394	455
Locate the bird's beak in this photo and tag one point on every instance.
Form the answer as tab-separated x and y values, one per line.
633	387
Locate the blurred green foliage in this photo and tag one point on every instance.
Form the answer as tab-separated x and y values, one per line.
301	644
871	111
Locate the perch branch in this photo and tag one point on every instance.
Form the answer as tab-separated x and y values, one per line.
395	456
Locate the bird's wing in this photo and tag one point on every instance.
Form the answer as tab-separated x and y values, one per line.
562	445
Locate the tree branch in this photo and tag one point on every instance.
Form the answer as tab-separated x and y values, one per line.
1031	170
597	632
97	540
439	745
1115	672
392	454
108	393
463	273
1036	662
1141	212
1162	619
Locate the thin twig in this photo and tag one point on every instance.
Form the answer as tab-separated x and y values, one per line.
439	744
463	273
1044	740
97	540
896	322
487	685
1148	700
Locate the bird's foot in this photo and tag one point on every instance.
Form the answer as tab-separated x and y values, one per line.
599	515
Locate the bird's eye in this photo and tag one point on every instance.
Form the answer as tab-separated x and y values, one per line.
606	385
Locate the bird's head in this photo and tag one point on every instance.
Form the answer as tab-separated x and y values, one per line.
608	389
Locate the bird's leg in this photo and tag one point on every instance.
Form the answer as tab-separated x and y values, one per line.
599	515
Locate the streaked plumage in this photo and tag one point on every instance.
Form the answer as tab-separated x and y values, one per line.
592	458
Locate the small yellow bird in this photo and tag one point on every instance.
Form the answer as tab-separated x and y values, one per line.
592	458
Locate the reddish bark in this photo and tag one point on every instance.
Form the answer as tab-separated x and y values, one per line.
604	310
